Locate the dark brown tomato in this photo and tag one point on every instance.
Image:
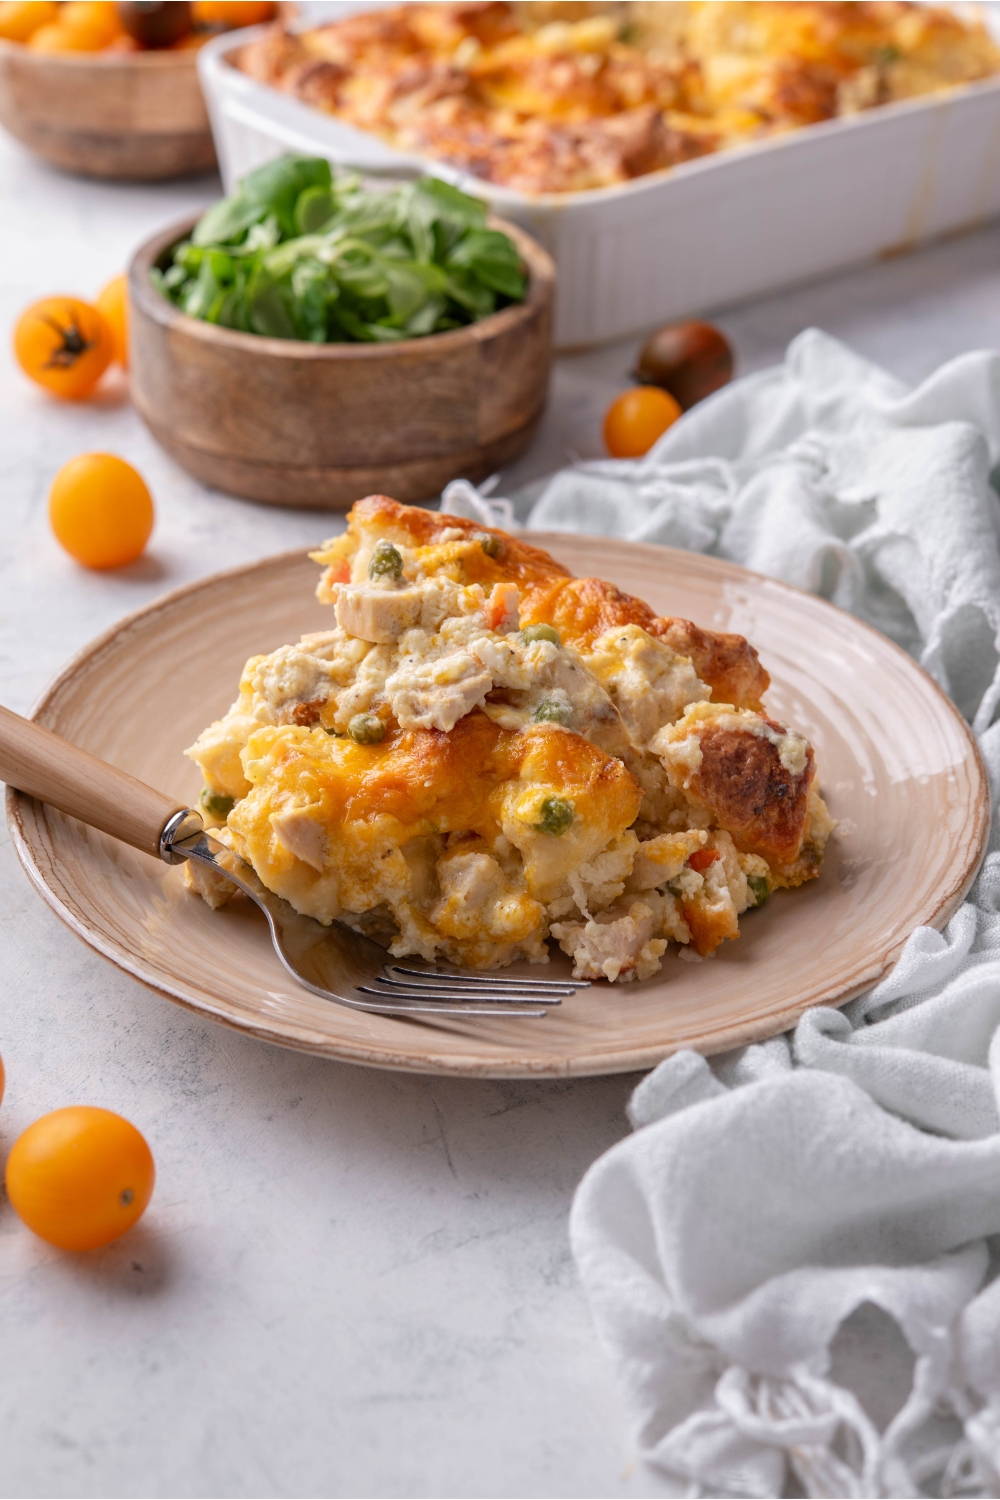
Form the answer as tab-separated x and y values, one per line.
158	23
690	360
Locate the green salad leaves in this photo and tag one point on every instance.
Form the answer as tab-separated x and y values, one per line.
299	253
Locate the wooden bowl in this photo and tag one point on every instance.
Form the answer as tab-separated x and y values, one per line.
134	116
318	425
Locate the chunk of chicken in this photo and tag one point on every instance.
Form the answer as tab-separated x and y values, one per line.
215	889
650	683
479	909
663	858
377	614
613	945
435	694
300	830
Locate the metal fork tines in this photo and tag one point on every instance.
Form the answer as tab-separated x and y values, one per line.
399	982
488	981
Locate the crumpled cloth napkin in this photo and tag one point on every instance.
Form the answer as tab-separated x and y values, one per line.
768	1193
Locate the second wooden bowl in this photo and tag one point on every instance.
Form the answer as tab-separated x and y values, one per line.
133	116
318	425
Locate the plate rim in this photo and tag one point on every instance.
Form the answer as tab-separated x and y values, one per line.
456	1064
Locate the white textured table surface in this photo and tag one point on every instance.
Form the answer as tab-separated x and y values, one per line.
348	1283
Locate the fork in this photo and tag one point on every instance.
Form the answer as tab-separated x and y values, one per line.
334	962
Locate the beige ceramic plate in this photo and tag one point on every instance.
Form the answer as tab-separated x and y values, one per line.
897	766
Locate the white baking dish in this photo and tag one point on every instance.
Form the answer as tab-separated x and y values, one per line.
704	234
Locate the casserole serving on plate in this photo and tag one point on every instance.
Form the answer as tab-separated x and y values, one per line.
482	751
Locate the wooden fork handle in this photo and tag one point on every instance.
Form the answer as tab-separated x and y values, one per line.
38	762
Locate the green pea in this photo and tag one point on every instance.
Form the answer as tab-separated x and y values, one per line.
540	633
215	804
387	561
557	815
491	545
759	888
551	711
366	729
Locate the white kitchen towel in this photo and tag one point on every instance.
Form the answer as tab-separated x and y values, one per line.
767	1194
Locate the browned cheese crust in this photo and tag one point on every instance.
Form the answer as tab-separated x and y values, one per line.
727	662
751	794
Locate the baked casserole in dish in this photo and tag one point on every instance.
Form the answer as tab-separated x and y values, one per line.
558	98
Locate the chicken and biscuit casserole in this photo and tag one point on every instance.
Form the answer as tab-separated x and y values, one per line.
556	98
483	752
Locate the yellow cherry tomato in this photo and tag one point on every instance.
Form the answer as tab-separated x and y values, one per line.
101	510
56	38
95	19
20	19
112	304
636	418
230	13
80	1177
64	345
